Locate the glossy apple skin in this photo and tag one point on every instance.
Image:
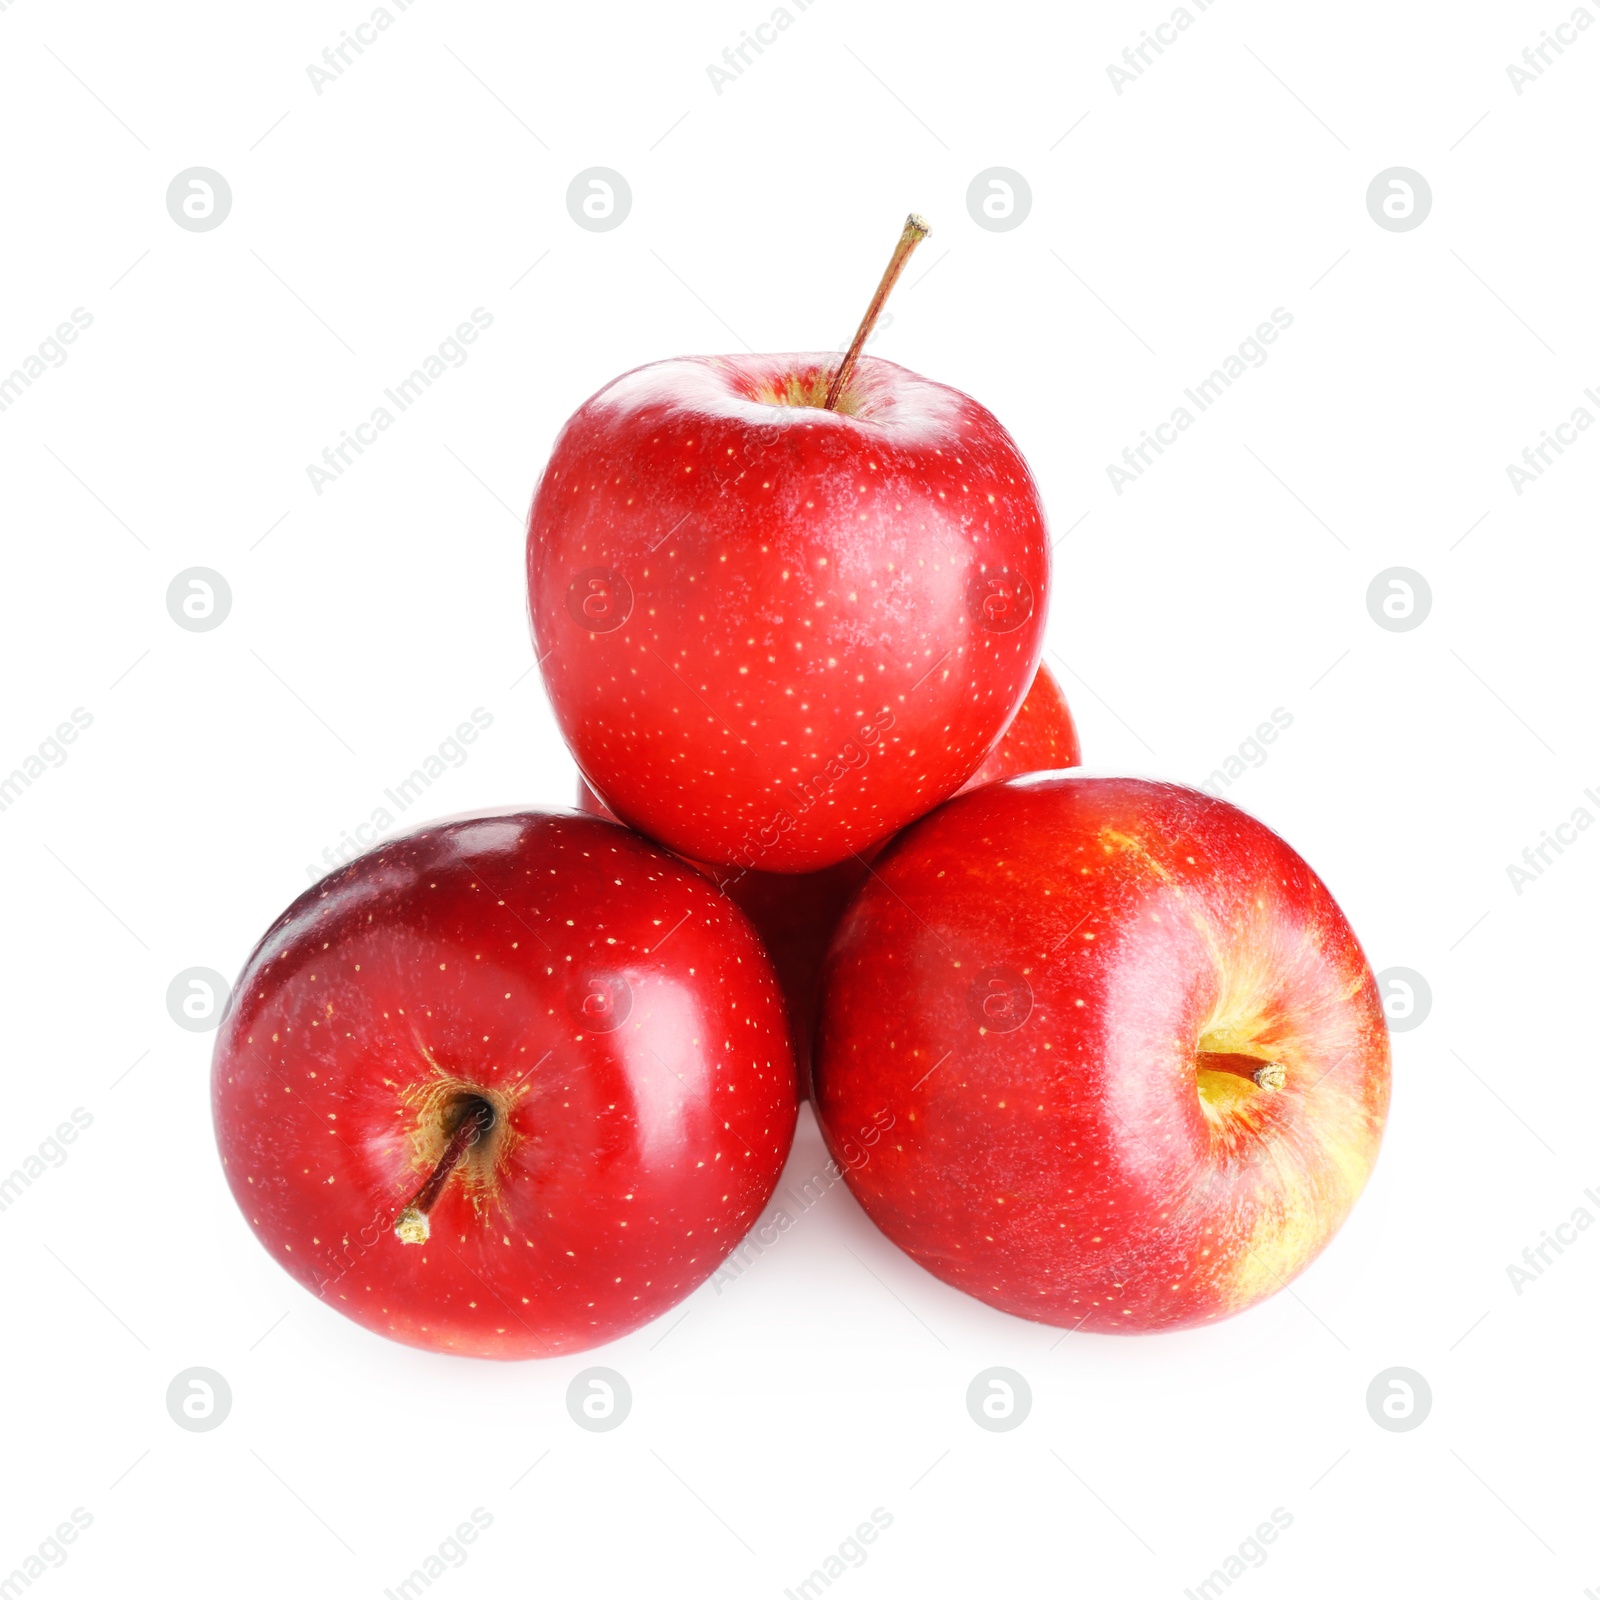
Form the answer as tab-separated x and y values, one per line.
1025	987
796	913
1042	736
774	634
616	1010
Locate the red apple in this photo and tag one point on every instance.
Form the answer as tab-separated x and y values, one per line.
1042	736
796	913
774	633
1134	1056
509	1086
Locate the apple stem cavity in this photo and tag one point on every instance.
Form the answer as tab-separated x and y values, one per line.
914	232
413	1227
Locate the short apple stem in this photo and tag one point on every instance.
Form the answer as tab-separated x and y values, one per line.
1264	1074
914	232
412	1226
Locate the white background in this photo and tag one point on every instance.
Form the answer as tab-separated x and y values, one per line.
772	1417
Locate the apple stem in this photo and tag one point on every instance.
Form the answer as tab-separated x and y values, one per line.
914	232
412	1226
1263	1074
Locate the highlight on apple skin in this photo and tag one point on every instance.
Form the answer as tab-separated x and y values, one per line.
1135	1056
509	1086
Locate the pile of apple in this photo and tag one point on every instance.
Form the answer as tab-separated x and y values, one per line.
1101	1051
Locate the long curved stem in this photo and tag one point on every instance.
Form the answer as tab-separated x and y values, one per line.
914	232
